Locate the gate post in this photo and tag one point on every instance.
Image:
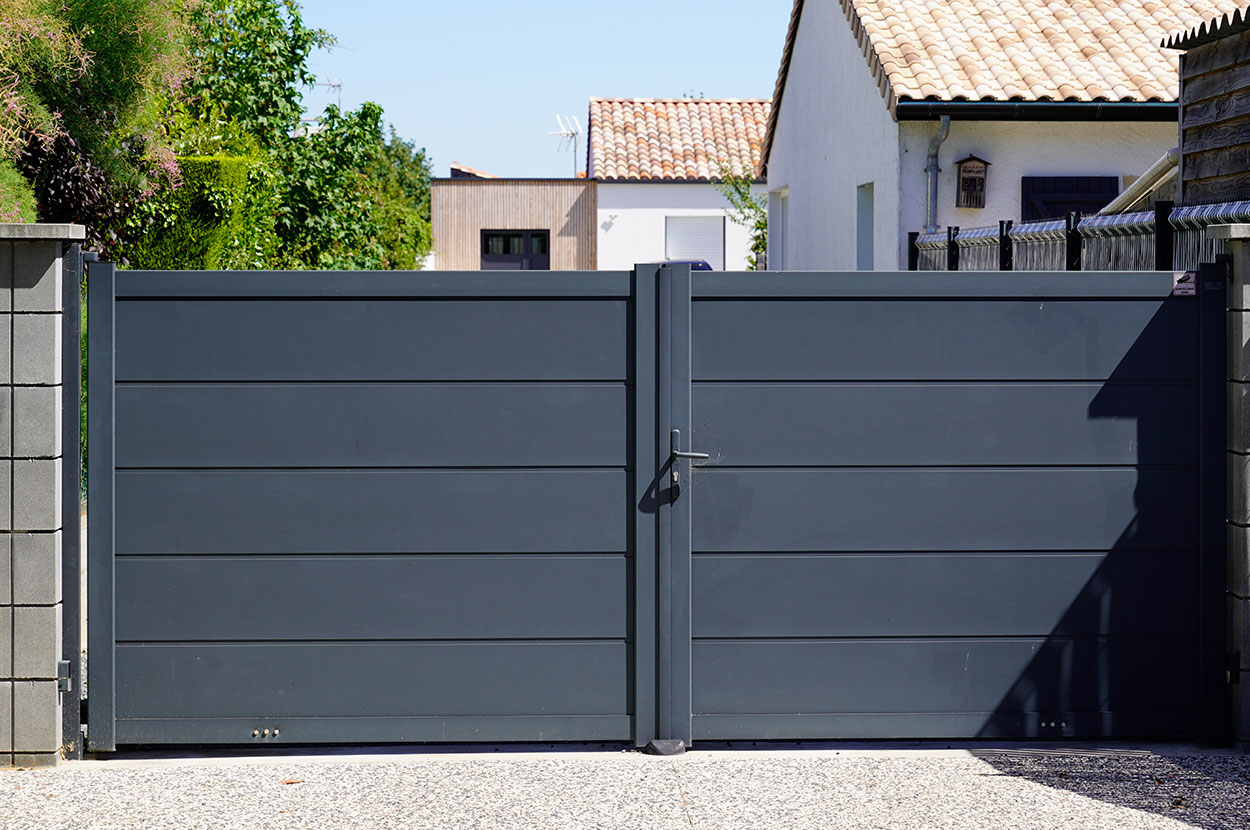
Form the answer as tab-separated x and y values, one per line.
673	540
1237	587
36	261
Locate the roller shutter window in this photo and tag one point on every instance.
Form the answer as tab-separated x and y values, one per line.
695	237
1052	197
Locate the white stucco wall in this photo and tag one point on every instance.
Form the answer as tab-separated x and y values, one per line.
1015	149
833	134
631	222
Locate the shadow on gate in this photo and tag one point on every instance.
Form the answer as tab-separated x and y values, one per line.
1124	659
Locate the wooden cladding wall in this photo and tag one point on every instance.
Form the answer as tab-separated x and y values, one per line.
462	208
1215	121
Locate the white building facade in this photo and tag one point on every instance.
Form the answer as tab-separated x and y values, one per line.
655	162
849	140
652	222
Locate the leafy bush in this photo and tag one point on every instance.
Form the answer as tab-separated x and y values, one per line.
220	217
17	199
37	45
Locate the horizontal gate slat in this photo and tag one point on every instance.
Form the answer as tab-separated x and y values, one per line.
943	509
944	675
331	425
354	730
371	340
340	285
944	595
783	424
919	725
382	679
371	511
361	597
1042	339
931	285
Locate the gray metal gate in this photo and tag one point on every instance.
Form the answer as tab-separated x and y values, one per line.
393	507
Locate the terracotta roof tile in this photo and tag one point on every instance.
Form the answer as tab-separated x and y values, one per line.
1065	50
687	139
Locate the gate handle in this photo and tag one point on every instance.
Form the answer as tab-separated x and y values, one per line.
674	441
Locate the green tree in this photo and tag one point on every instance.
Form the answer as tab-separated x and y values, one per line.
746	209
346	197
251	65
325	220
401	173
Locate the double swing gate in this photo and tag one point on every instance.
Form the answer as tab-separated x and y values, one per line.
614	506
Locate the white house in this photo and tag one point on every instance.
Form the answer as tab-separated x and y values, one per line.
876	102
654	162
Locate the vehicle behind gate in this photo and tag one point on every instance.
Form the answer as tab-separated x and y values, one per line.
410	507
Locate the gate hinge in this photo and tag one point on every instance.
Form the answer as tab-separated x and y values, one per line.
63	681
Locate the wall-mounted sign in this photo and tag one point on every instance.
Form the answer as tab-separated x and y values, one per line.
971	192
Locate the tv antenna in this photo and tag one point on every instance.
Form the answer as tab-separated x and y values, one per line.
570	130
335	85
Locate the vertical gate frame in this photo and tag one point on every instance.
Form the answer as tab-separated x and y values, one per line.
673	649
1212	289
643	288
72	599
101	637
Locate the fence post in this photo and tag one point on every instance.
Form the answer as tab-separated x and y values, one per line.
913	251
1073	234
1006	261
1163	236
34	676
952	248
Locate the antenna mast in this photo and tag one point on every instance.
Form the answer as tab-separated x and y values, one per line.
335	85
570	130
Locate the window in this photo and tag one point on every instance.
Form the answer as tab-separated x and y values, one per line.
778	202
695	237
516	250
1052	197
864	226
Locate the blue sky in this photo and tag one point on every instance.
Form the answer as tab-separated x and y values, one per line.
481	81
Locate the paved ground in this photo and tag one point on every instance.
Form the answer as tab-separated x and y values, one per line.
976	787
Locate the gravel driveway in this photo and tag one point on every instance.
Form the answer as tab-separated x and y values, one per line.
986	787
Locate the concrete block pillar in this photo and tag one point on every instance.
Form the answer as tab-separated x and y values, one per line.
32	275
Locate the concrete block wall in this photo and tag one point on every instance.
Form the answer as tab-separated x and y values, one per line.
31	309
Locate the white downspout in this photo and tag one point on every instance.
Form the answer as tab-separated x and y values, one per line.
1158	173
931	170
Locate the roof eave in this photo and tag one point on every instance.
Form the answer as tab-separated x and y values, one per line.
911	110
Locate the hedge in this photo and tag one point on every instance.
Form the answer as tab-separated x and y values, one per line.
221	217
17	199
